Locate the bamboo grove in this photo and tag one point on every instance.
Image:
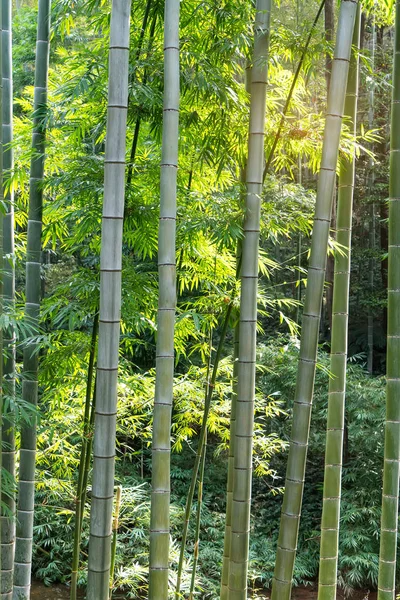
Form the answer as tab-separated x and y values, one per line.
188	226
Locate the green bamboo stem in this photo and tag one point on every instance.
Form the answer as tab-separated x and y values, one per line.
118	496
391	468
82	462
337	384
26	485
207	403
110	306
8	436
294	485
198	519
243	445
161	450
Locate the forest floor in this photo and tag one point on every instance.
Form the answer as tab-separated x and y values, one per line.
60	592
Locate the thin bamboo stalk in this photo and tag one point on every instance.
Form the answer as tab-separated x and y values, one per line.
26	485
340	317
82	462
118	496
161	451
198	520
391	467
8	434
110	306
294	484
371	183
243	445
88	456
292	88
202	436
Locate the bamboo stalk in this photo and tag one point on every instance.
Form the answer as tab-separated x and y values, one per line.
243	445
82	462
8	435
161	451
294	484
115	534
26	485
292	88
391	467
198	520
337	384
202	436
110	306
371	183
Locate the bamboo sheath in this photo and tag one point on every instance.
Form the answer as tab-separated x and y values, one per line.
338	360
26	485
110	306
8	436
391	468
294	485
243	444
161	451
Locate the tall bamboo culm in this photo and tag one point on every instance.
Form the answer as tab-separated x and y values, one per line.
26	485
340	317
8	436
294	485
243	444
391	468
110	306
161	451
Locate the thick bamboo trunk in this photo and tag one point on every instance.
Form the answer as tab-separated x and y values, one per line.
26	485
294	484
243	444
110	306
161	451
8	454
337	383
391	469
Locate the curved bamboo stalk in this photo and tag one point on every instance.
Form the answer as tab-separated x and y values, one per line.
391	468
110	306
8	435
82	462
294	485
243	444
26	485
161	451
340	317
